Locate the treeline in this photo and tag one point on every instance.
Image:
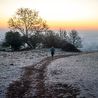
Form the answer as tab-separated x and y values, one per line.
60	39
28	29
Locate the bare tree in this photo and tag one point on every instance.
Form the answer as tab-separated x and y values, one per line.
27	22
51	39
75	39
63	35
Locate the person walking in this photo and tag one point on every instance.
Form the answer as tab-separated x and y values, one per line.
52	51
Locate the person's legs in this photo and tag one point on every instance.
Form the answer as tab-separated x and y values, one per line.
52	54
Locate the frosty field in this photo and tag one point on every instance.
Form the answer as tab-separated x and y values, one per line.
80	71
12	63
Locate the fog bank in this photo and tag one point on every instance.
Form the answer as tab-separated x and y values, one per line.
89	40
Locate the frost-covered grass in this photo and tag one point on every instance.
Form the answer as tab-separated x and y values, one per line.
80	71
11	64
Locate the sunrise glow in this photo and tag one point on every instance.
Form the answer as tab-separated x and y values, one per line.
66	14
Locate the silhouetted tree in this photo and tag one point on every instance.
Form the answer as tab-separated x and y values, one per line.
63	35
27	22
75	39
36	39
51	39
13	39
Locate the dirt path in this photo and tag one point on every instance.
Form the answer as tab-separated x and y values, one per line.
31	84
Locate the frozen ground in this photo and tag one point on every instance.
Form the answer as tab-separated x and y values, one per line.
11	64
80	71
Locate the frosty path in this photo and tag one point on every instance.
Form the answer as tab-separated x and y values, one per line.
32	83
12	63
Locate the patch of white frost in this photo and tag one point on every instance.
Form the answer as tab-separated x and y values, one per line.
81	71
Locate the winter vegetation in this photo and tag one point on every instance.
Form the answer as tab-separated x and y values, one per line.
27	28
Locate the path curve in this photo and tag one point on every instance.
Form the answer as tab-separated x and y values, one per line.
31	84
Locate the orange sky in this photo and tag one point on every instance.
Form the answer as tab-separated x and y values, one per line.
87	25
67	14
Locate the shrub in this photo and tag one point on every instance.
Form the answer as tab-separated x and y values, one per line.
51	39
13	39
75	39
65	46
